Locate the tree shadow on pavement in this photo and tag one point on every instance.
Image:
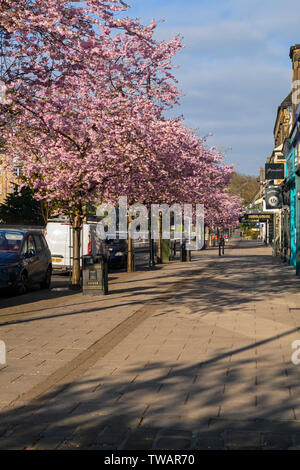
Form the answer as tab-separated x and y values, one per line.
165	405
243	397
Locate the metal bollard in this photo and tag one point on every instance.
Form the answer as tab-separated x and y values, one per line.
151	253
105	265
183	254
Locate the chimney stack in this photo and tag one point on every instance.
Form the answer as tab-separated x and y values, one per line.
295	57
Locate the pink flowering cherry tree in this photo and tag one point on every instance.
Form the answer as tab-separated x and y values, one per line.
80	86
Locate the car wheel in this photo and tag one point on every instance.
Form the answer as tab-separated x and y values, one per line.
22	285
45	284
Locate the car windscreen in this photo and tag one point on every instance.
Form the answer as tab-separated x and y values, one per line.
116	242
10	242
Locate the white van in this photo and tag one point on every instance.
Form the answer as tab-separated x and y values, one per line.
59	236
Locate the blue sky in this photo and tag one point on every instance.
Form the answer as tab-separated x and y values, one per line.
234	70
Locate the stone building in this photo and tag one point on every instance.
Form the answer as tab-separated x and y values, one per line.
7	181
288	141
281	219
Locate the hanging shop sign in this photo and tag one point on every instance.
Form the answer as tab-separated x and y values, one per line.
274	171
255	218
272	198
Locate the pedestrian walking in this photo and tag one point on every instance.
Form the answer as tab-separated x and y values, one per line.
221	245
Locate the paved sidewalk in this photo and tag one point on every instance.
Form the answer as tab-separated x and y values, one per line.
46	331
191	356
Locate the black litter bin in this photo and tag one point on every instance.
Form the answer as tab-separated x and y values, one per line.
95	275
185	255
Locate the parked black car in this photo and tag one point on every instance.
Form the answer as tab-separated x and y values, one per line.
25	259
117	251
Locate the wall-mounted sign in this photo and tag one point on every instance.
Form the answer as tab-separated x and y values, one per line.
274	171
287	147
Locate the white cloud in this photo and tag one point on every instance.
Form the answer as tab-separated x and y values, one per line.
235	68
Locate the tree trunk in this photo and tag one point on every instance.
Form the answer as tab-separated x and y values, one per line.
45	211
77	226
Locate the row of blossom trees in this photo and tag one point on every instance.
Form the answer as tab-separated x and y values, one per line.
86	93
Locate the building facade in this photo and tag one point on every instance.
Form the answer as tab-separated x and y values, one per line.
287	151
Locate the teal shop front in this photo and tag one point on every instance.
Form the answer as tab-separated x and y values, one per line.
291	179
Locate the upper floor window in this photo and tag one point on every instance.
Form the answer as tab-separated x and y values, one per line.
17	171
